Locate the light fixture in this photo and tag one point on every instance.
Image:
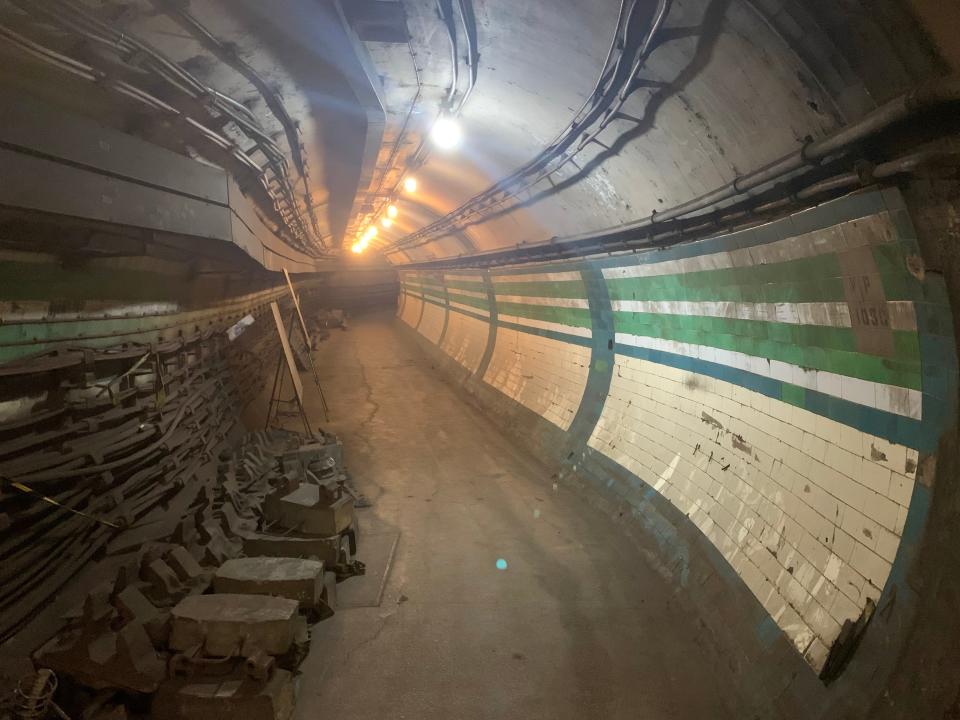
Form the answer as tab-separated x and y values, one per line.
392	210
357	248
370	233
446	133
386	222
410	184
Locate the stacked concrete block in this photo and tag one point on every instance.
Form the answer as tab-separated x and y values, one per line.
222	625
312	510
292	578
226	699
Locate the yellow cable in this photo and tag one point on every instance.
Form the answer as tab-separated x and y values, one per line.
49	500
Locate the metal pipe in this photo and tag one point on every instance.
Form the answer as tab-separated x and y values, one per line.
681	230
938	92
229	56
77	19
598	110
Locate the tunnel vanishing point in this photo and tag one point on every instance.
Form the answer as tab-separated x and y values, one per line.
479	359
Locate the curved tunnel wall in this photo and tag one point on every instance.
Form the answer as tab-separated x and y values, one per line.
782	388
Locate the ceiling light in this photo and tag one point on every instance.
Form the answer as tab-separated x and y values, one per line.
370	233
357	248
392	210
446	133
410	184
386	222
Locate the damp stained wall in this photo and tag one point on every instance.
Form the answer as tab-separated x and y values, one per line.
784	388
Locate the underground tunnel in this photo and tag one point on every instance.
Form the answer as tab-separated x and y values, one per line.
479	359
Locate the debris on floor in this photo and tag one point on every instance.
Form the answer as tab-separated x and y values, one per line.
209	616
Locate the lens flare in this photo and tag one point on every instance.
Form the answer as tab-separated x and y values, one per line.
446	133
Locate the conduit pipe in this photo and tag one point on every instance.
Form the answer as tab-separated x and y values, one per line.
680	230
927	97
901	108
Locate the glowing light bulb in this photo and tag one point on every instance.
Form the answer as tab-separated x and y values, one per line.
386	222
370	233
356	248
410	184
446	133
392	210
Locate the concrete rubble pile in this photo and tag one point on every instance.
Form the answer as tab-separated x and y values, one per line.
211	620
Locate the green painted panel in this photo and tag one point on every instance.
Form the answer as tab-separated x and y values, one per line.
471	301
819	348
558	289
832	338
805	280
478	286
576	317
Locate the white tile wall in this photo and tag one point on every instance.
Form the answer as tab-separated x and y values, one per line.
431	327
545	375
466	340
809	512
411	310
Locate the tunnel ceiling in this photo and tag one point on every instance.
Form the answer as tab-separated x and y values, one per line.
342	96
725	87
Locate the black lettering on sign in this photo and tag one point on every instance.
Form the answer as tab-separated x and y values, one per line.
869	315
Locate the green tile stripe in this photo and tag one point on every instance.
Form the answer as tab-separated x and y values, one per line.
478	286
429	282
544	288
814	279
809	346
431	290
576	317
469	300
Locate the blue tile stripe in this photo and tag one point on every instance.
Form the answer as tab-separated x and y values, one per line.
601	357
552	334
820	217
446	308
895	428
492	324
473	315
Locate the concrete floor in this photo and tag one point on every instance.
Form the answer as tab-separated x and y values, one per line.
578	625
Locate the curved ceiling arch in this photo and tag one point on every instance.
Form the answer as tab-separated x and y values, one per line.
724	90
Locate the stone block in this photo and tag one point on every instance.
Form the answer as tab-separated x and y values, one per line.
325	549
183	564
292	578
226	699
227	624
162	578
101	658
307	511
